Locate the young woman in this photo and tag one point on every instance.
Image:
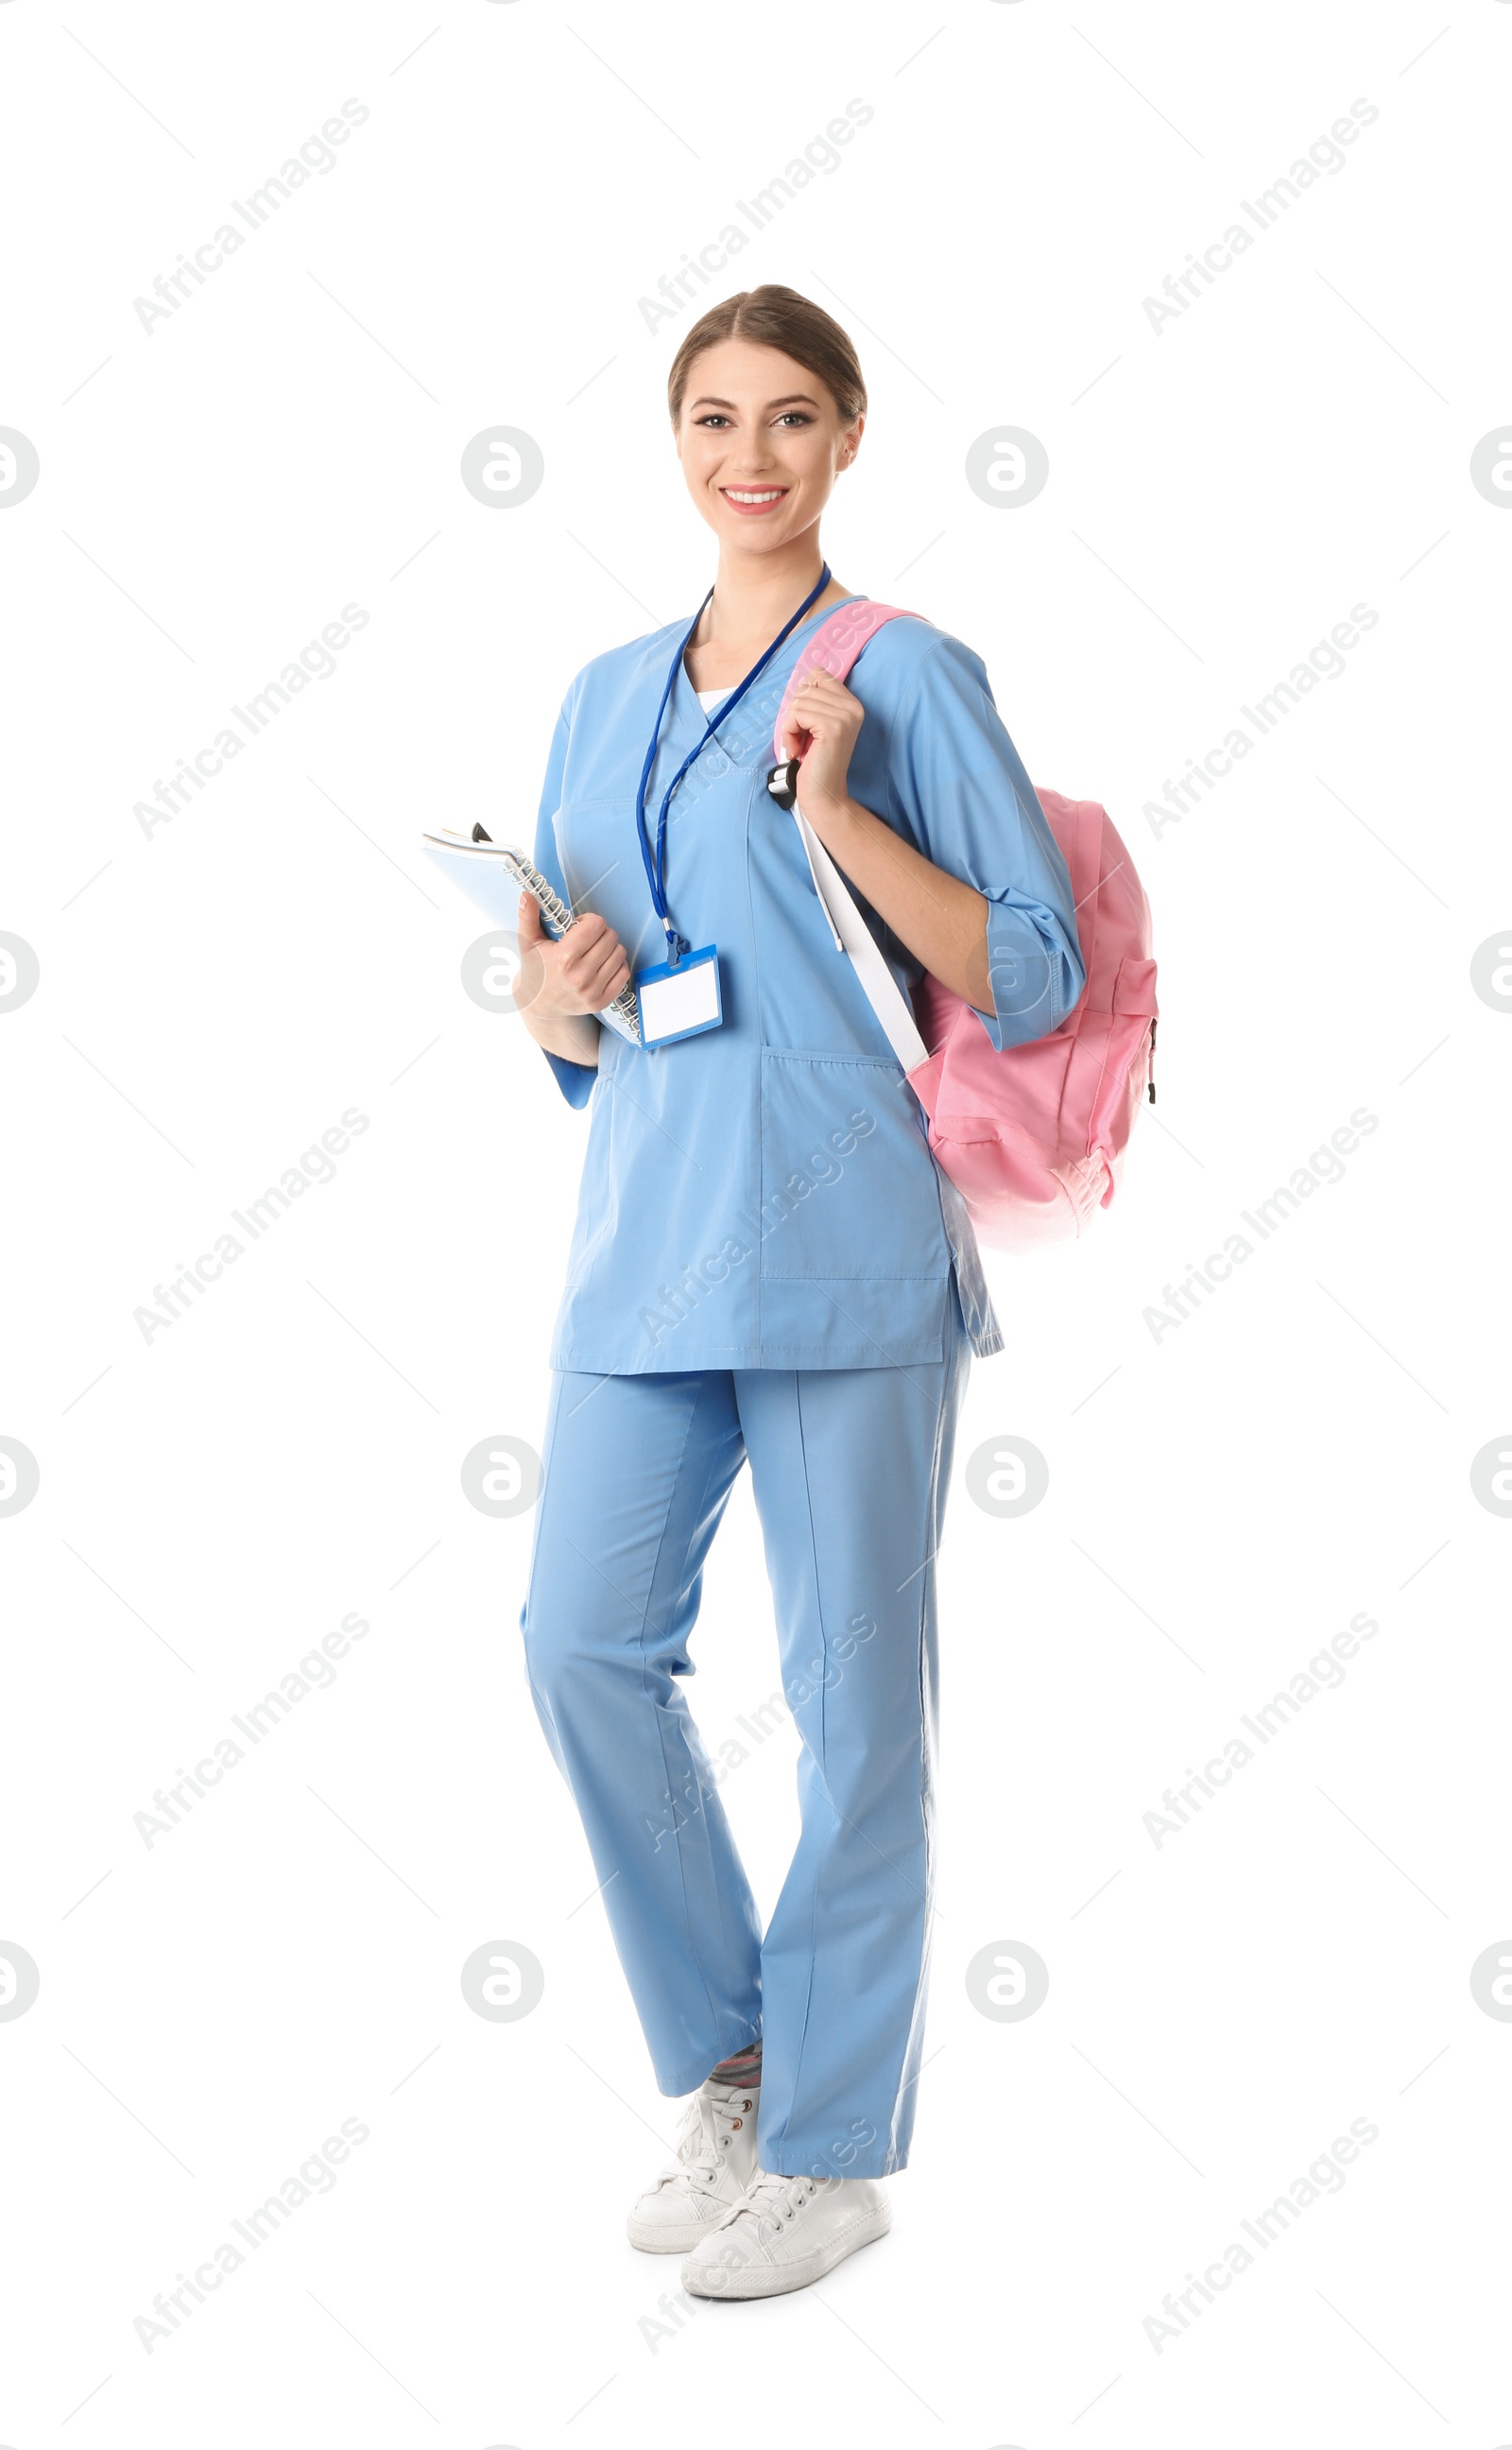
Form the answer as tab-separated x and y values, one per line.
768	1267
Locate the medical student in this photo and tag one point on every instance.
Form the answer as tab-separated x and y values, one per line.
768	1267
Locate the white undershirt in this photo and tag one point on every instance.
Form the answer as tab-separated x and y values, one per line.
708	699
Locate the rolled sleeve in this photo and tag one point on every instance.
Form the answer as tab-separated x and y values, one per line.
961	794
1034	974
575	1080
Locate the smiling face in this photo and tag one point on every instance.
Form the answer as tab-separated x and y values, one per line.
761	442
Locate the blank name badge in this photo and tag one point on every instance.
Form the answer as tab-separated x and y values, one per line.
681	999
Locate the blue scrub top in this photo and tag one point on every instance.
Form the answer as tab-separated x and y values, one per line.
762	1196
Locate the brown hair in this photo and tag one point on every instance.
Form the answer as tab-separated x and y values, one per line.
776	318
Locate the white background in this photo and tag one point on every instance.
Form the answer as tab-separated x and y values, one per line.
1221	1502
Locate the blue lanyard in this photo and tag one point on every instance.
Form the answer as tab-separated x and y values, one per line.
656	870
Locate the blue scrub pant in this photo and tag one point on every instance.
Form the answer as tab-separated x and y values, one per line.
849	1469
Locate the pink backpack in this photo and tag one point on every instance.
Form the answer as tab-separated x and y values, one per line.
1035	1138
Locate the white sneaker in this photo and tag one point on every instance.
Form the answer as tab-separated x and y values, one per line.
716	2158
784	2233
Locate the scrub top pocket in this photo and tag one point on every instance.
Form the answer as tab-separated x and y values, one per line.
848	1187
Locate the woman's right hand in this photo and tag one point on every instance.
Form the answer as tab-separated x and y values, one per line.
562	976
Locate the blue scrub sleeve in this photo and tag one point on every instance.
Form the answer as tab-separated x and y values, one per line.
961	795
575	1080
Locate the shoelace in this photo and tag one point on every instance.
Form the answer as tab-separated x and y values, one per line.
771	2197
701	2143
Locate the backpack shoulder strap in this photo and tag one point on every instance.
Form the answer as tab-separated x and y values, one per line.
851	932
834	647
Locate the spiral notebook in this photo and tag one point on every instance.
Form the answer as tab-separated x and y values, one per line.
493	875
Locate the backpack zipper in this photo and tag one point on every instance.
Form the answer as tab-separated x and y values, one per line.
1153	1063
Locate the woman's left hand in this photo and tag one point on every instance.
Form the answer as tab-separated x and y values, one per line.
822	722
